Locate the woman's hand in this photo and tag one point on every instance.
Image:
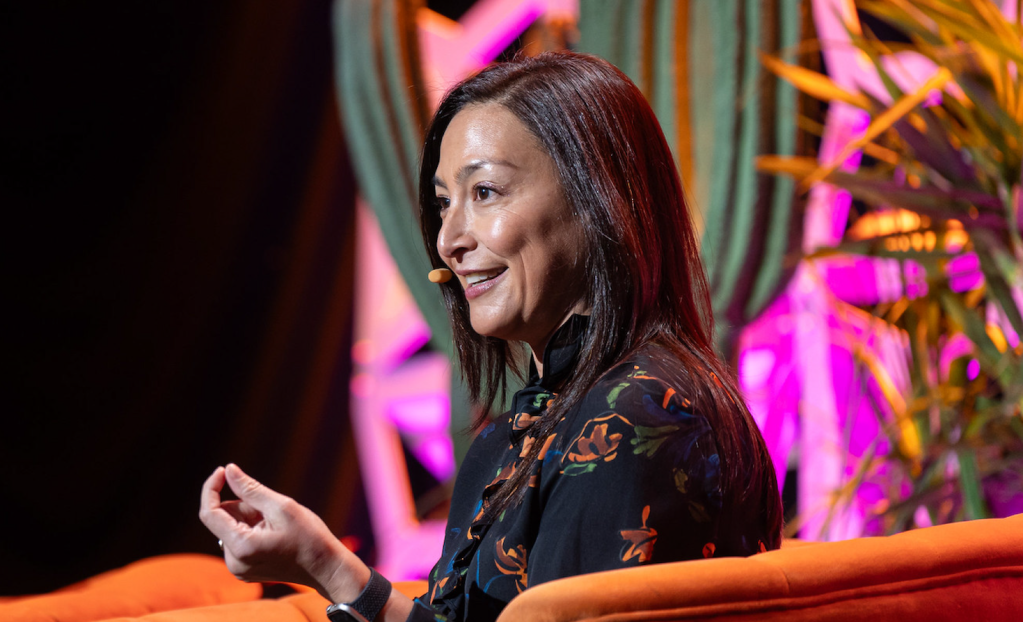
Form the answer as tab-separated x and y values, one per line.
270	537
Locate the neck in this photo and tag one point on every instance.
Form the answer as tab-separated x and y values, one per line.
537	360
538	347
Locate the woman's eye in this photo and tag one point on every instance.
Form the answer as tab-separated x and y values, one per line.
483	193
443	202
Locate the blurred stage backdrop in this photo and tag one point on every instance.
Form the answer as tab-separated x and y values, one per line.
214	256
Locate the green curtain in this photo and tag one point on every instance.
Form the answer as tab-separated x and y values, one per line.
377	67
384	112
697	64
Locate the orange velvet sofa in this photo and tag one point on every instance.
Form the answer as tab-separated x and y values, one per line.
963	571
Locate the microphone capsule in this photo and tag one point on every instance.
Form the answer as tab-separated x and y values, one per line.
440	275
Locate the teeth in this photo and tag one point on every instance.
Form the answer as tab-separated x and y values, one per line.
479	277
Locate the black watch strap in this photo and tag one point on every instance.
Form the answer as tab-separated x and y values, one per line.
367	606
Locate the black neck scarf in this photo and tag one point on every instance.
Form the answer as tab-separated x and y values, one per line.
559	360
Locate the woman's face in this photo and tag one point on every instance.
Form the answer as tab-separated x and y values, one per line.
506	230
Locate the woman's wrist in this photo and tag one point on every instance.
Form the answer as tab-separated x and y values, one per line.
341	576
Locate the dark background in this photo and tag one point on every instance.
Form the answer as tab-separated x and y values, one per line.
177	275
178	259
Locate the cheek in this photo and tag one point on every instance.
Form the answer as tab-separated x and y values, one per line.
568	259
538	247
507	235
554	266
564	260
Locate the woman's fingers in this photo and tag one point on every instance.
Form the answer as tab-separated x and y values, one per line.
224	518
242	512
252	492
269	536
210	497
209	501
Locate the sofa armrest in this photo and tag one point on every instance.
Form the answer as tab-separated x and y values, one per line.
971	570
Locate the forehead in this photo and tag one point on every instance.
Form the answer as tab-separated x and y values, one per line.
488	132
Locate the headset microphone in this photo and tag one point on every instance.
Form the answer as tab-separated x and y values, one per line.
440	275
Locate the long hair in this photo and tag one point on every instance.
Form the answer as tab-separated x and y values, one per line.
645	280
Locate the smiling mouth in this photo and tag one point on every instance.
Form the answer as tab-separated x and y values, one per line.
482	277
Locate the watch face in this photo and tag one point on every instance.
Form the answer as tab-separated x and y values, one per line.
342	612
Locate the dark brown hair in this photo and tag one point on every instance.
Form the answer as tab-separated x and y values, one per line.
645	280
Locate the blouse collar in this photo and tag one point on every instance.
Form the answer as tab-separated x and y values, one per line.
561	354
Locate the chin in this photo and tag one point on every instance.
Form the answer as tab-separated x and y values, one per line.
486	330
490	327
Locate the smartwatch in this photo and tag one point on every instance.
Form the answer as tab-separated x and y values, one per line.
367	606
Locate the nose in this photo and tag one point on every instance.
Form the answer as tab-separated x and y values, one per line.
455	236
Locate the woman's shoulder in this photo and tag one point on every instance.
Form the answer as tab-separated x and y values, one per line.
639	419
645	392
652	372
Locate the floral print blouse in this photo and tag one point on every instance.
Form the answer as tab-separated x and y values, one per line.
629	477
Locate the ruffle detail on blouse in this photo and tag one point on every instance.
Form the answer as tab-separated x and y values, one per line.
528	406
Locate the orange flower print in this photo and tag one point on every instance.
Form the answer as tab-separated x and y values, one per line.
639	542
523	420
513	562
598	445
527	444
670	393
594	444
503	475
667	397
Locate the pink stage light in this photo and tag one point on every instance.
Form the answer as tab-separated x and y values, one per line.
399	393
435	452
755	367
769	381
964	273
972	369
834	420
520	17
957	346
916	279
421	414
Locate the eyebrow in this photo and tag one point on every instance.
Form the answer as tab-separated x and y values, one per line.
471	168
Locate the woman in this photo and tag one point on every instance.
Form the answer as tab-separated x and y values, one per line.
548	189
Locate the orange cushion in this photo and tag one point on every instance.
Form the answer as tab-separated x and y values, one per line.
971	570
304	607
151	585
308	607
172	588
412	589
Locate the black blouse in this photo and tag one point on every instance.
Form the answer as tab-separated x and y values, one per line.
629	477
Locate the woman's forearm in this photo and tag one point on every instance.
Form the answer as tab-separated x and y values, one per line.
344	576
